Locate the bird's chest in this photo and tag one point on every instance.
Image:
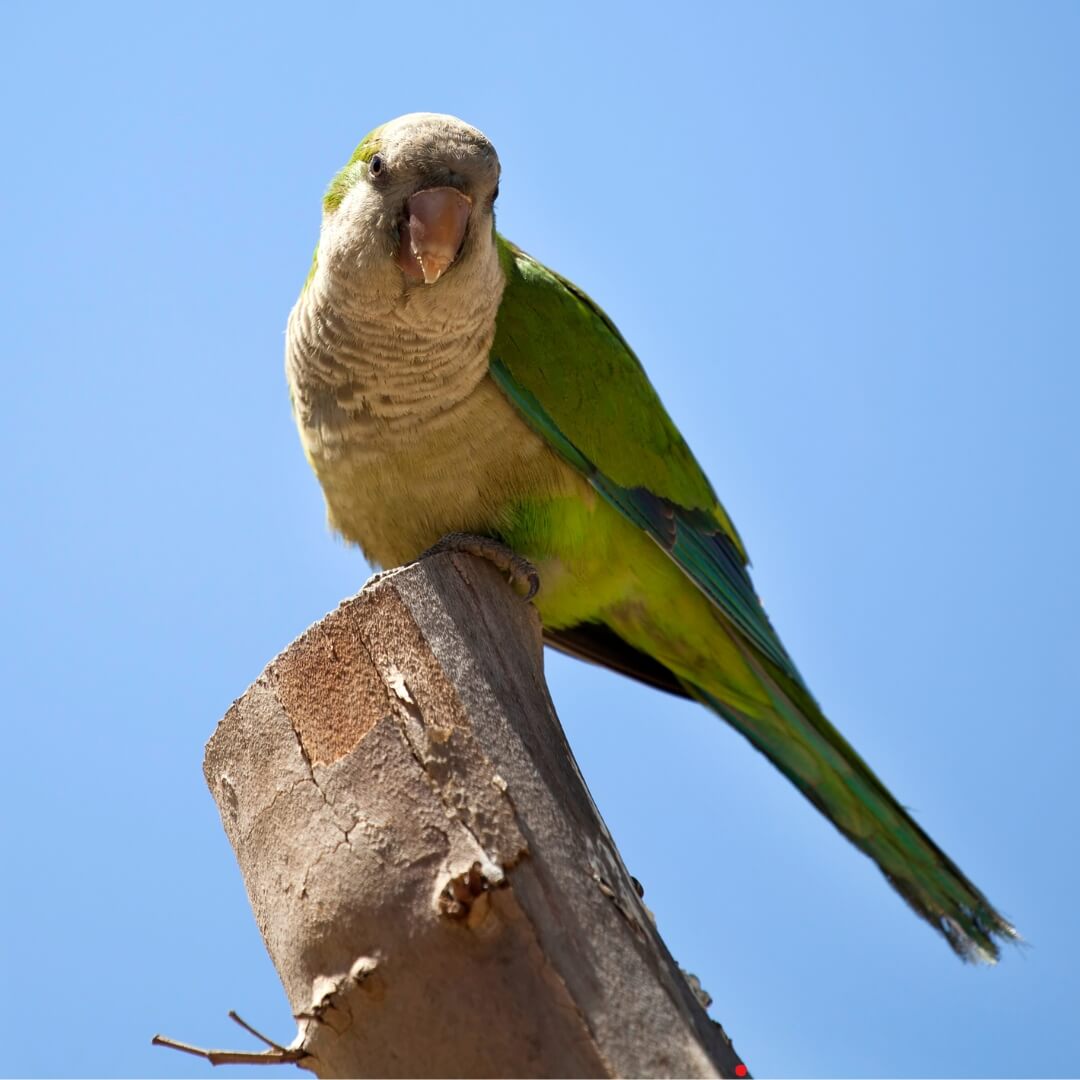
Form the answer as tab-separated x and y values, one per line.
395	484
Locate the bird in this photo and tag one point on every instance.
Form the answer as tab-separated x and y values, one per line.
453	393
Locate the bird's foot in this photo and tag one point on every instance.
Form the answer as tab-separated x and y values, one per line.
519	570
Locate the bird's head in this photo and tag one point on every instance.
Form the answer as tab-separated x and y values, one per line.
415	202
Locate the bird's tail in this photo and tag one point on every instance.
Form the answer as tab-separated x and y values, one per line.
795	735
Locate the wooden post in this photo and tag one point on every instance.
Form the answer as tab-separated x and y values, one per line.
433	882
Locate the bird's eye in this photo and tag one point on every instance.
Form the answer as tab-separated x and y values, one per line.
494	194
375	165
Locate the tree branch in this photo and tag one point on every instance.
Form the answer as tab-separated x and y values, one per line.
432	880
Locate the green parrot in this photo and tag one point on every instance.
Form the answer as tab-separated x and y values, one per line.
451	391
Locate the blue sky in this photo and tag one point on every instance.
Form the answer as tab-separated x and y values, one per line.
843	239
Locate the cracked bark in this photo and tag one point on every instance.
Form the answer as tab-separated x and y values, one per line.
433	883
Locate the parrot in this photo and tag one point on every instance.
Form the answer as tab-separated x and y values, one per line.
453	393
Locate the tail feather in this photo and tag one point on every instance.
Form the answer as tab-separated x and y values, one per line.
801	742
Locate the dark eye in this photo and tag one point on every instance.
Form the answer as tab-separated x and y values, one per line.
375	165
494	194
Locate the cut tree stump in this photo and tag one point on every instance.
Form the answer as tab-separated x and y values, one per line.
431	878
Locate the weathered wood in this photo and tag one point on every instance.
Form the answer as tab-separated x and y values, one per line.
433	882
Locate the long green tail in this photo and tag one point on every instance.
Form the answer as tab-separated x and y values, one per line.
801	742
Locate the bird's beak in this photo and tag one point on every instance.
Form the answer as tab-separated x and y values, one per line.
432	233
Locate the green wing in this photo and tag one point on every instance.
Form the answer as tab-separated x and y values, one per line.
563	363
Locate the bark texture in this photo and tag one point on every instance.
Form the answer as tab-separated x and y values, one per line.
433	882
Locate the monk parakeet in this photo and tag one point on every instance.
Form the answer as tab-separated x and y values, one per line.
444	382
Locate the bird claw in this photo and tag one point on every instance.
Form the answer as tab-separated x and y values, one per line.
522	574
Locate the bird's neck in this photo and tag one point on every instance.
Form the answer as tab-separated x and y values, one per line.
373	350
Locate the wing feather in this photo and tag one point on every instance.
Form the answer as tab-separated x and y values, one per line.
562	363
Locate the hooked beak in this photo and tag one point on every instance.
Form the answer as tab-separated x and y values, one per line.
432	233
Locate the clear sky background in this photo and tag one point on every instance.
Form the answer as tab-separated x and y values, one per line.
842	237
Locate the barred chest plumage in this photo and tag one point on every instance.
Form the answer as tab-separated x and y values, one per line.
409	437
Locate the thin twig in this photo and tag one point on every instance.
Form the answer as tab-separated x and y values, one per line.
275	1054
258	1034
